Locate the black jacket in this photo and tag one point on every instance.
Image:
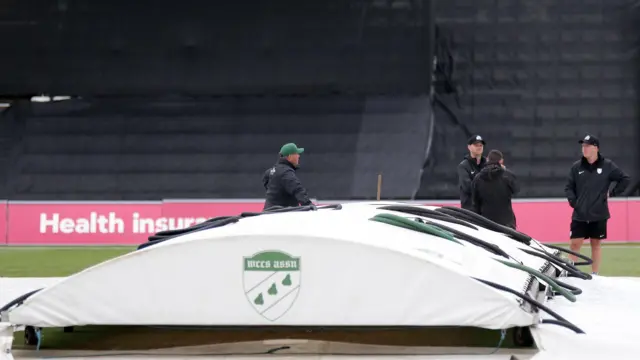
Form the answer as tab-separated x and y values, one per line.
492	190
283	186
467	170
588	185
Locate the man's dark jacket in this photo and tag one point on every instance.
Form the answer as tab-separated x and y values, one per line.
492	191
467	170
283	186
588	185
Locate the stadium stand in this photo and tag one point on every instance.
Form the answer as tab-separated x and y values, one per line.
533	79
219	148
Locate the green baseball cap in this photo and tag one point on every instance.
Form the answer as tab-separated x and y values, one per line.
290	149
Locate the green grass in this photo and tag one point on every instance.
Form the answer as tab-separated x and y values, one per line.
617	260
53	261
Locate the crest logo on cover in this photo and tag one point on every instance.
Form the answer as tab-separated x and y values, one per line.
271	282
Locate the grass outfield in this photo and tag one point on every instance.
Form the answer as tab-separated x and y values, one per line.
618	259
53	261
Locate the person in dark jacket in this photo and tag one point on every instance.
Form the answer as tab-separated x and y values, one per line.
469	168
281	183
587	191
492	191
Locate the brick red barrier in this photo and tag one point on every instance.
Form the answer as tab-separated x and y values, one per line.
130	223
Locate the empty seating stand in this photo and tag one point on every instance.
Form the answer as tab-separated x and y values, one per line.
534	80
115	150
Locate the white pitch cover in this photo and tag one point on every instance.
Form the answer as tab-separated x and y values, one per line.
6	341
306	268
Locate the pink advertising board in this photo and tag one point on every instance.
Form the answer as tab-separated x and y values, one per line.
3	222
549	221
633	220
130	223
33	223
207	210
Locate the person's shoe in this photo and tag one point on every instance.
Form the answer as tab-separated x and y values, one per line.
594	273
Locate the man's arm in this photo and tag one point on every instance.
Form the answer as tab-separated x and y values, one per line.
293	186
476	200
570	188
620	177
464	181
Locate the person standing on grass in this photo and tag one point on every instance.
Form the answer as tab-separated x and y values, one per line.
469	168
587	191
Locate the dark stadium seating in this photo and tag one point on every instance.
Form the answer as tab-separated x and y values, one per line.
533	80
218	148
214	101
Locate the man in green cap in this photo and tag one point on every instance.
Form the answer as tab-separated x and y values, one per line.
282	185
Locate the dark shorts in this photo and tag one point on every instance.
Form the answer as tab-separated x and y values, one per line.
596	230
